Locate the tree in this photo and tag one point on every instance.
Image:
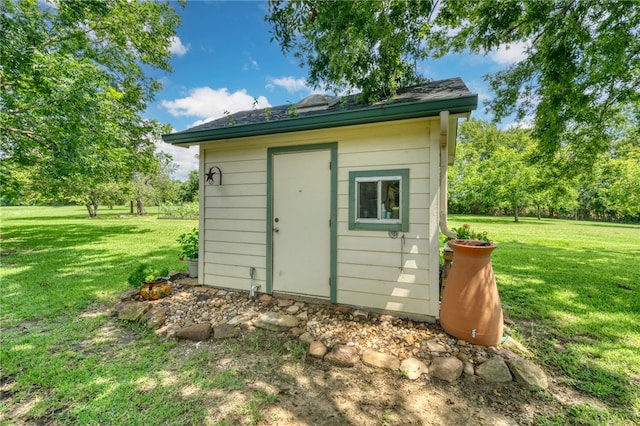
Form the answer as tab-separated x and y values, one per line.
73	88
580	69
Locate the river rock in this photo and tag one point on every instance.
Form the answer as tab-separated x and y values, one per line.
413	368
317	349
494	370
275	321
197	332
380	360
342	356
528	374
446	368
224	331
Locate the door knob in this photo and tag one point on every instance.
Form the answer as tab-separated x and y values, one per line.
276	229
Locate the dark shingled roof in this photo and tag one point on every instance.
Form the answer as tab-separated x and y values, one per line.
434	95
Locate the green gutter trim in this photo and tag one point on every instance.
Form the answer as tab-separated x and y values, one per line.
373	114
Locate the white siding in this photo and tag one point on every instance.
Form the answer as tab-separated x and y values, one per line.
373	270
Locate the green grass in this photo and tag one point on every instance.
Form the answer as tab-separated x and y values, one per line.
573	287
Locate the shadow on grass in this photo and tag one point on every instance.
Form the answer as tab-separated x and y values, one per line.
585	302
61	267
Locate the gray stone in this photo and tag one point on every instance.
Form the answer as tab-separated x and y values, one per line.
446	368
467	368
528	374
197	332
413	368
283	303
156	317
276	322
293	309
494	370
380	360
317	349
132	311
360	315
434	345
167	331
224	331
306	338
342	356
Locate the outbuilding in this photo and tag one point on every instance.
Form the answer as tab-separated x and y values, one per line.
331	198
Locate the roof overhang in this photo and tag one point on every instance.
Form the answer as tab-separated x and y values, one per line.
372	114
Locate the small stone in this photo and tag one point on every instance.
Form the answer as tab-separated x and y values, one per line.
528	374
222	293
386	318
317	349
409	339
265	299
197	332
434	345
303	316
276	322
343	309
446	368
467	368
413	368
167	331
293	309
360	315
283	303
296	331
224	331
494	370
380	360
342	356
306	338
129	294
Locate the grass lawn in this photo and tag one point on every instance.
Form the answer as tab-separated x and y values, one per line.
573	288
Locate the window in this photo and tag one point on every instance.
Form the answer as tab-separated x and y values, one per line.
379	200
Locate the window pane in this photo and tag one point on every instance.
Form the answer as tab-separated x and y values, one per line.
391	199
367	200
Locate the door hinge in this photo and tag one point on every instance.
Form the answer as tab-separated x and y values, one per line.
329	282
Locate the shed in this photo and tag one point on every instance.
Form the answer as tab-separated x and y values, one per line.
331	198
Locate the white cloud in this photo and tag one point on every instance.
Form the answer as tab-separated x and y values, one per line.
177	48
510	54
184	158
251	64
290	84
207	103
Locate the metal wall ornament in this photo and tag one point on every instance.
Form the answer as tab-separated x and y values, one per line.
211	173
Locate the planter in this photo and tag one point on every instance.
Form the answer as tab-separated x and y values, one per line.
192	264
470	307
155	290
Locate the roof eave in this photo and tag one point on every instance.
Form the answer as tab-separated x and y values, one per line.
373	114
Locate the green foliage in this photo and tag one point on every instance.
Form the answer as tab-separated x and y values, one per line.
465	232
179	210
494	173
578	71
146	273
189	189
189	245
73	90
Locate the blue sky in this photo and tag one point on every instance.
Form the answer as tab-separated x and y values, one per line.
223	61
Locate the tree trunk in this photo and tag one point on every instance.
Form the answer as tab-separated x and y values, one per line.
140	207
515	214
539	213
92	208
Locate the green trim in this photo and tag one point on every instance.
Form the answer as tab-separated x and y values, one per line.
373	114
333	242
404	200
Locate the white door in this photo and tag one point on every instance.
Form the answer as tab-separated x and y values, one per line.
301	223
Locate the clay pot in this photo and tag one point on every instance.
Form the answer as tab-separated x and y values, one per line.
470	307
155	290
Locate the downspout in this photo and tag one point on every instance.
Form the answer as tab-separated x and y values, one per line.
444	160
